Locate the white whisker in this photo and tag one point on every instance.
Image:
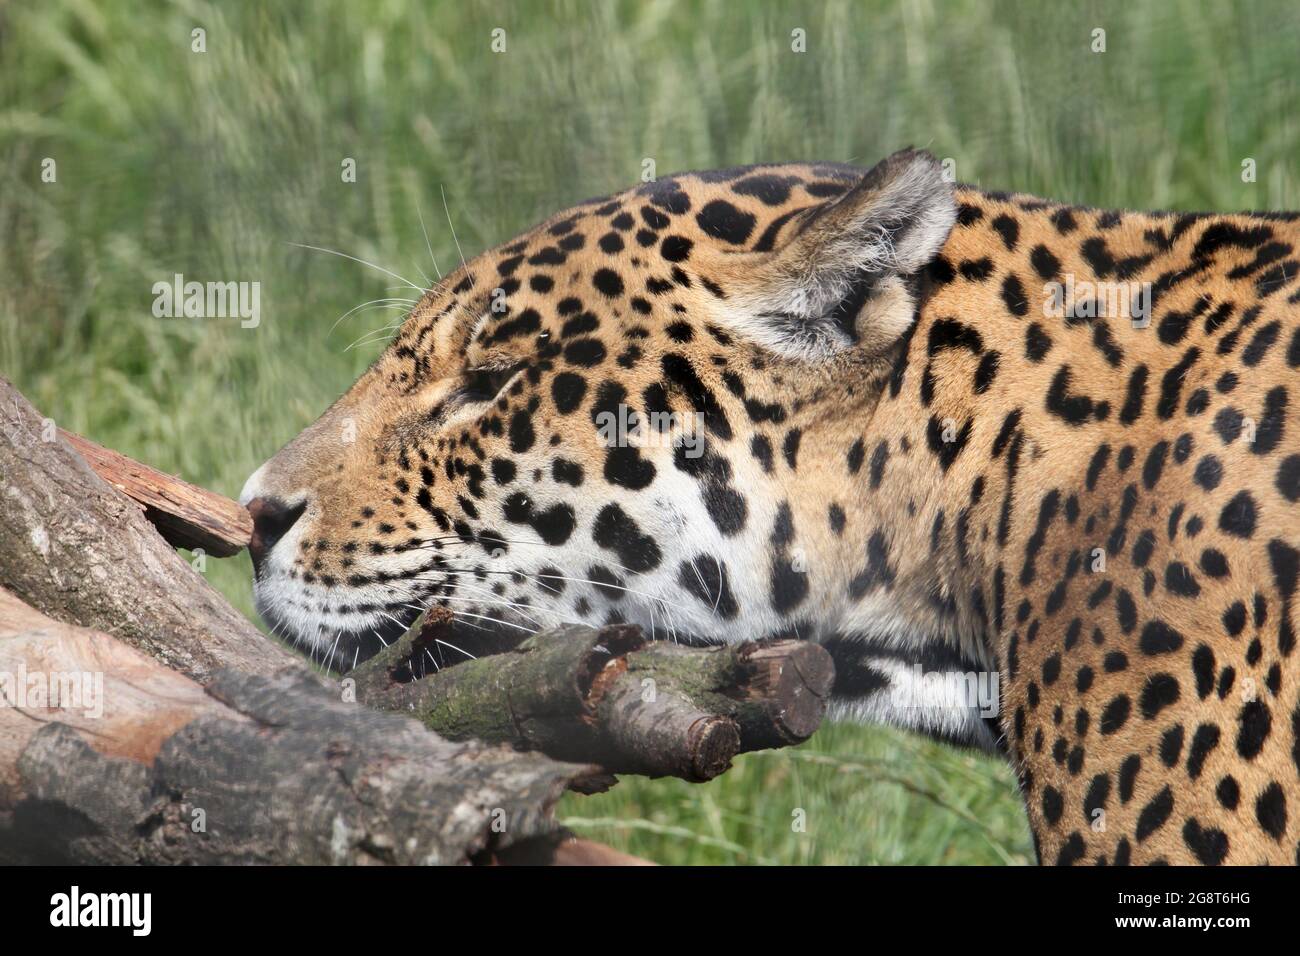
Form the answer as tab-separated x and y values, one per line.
452	225
460	650
456	539
376	335
495	620
387	300
428	245
344	255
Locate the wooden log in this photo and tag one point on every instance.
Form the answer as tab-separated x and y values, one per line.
186	515
107	757
610	697
75	548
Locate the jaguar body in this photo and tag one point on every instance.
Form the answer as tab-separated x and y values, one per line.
1029	470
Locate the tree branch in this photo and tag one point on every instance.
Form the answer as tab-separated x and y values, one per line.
186	515
610	697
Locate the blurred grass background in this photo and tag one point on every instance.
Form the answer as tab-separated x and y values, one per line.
211	164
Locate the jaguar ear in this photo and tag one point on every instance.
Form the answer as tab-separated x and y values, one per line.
839	279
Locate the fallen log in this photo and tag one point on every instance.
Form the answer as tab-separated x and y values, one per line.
608	696
75	548
108	757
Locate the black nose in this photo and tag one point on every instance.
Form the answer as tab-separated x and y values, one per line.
272	518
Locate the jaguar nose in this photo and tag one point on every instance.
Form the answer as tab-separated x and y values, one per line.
272	519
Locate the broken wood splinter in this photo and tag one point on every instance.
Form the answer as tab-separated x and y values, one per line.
186	515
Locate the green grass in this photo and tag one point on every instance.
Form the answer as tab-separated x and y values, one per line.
212	164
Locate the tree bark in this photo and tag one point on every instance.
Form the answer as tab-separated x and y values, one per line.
253	769
610	697
73	547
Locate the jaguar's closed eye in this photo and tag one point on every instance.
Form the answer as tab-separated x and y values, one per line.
484	384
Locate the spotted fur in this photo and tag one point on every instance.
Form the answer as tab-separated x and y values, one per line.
904	452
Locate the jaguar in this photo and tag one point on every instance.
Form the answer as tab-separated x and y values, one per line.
1029	470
